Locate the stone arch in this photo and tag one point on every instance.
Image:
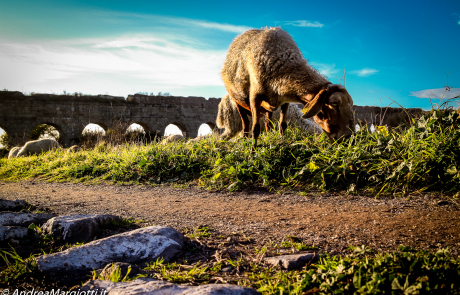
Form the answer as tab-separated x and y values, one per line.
146	134
144	126
206	128
91	134
102	125
182	127
3	131
58	128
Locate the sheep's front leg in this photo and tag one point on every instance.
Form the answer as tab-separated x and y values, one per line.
244	120
283	117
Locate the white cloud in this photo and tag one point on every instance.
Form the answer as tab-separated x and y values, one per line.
303	23
328	70
457	16
365	72
119	65
437	93
152	19
217	26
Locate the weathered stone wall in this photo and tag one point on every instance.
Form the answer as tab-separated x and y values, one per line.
392	117
20	114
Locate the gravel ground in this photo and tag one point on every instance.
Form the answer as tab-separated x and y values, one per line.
330	221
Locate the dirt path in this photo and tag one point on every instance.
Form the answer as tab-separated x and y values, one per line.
331	222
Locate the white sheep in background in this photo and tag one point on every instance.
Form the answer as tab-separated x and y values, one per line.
38	146
74	149
14	152
229	118
198	138
172	138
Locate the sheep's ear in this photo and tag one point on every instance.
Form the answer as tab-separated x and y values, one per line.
314	106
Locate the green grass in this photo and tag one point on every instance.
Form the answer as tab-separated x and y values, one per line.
405	271
116	275
422	157
16	266
199	232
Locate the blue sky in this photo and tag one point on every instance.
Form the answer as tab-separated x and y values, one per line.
402	50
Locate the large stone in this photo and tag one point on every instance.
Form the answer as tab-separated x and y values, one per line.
137	246
77	228
12	232
6	205
23	219
294	261
155	287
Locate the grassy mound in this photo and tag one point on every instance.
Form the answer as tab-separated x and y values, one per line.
424	156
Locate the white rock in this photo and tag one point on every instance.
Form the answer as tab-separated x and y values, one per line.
12	232
23	219
77	228
137	246
294	261
155	287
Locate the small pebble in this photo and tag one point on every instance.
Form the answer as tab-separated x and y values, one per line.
226	269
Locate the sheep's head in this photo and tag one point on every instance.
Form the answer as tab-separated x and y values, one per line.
332	109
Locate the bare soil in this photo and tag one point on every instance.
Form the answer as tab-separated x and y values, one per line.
330	221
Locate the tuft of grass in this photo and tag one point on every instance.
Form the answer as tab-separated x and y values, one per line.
116	275
199	232
420	157
16	266
297	245
121	223
176	273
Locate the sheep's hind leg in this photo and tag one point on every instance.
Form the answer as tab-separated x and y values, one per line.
283	117
244	120
255	112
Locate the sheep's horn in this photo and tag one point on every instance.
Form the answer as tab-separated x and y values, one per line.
313	107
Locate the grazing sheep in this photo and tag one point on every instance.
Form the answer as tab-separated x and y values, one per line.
264	70
229	118
74	148
13	152
38	146
172	138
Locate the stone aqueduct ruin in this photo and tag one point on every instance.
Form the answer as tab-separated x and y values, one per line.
20	114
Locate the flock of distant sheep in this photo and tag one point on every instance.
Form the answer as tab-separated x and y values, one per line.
266	77
36	147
